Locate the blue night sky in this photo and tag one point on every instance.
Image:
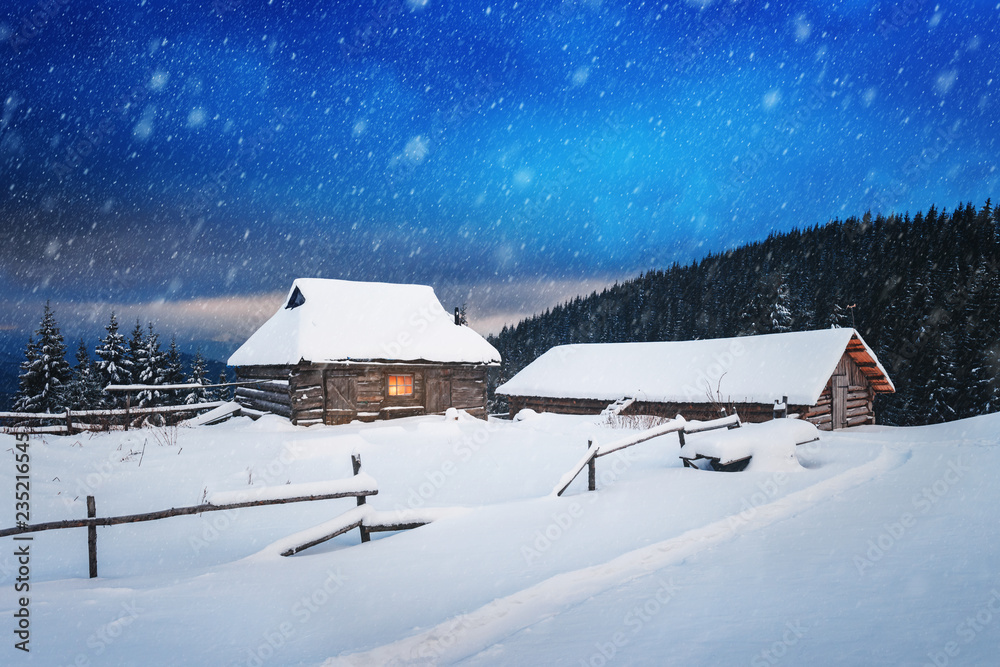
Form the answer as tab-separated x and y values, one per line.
184	161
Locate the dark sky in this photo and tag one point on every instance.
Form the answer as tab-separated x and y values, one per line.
184	161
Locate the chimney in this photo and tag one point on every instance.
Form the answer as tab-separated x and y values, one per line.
457	319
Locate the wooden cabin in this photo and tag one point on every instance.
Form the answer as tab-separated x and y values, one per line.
829	377
340	350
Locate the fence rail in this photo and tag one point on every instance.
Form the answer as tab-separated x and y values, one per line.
83	420
680	426
360	486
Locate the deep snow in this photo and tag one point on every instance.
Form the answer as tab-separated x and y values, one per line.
881	549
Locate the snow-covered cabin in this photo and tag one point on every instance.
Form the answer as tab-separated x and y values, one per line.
341	350
830	377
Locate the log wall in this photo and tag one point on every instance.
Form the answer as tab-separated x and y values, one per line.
340	393
271	396
859	405
748	412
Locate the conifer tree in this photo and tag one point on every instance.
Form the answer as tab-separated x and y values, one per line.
780	314
224	393
136	353
31	384
45	371
84	390
198	376
151	369
173	370
113	362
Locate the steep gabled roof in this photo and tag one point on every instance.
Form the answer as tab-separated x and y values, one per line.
340	320
749	369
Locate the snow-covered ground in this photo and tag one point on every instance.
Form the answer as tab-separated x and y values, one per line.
882	549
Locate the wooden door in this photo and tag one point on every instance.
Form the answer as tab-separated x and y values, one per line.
341	399
438	394
838	401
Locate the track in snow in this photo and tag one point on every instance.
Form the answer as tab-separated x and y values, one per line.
468	634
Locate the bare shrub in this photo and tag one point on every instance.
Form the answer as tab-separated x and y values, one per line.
635	422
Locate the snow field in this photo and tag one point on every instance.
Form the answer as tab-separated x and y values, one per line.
661	565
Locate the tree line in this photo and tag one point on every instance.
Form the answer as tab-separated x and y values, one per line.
47	382
923	291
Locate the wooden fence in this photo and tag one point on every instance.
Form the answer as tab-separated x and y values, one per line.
595	450
92	521
73	421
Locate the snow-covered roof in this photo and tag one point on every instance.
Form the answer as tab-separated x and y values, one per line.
749	369
340	320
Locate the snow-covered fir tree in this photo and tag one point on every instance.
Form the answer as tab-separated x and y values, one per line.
780	315
45	370
173	371
198	376
151	369
136	352
84	390
30	381
113	363
223	393
838	317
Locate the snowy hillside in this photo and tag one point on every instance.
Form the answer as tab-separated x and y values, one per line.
880	550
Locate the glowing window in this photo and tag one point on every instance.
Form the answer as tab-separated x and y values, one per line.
401	385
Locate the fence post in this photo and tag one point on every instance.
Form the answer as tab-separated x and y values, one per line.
92	536
69	423
591	469
128	405
356	464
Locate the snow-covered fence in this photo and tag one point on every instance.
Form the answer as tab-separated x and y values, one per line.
360	486
72	421
678	425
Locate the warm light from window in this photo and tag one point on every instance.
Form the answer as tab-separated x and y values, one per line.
401	385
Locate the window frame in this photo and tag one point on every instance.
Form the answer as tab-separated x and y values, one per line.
403	380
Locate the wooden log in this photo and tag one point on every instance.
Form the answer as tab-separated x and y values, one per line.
393	526
822	419
857	412
307	415
311	404
325	538
257	394
178	511
92	536
277	408
817	411
858	421
263	372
